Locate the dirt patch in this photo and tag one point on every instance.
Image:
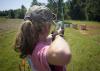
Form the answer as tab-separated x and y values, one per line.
6	27
93	27
9	24
91	30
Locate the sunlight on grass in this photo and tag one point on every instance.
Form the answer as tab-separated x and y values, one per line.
85	47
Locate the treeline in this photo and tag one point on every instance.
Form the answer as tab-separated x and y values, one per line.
84	9
18	13
77	9
72	9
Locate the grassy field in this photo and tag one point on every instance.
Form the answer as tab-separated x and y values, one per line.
9	60
85	47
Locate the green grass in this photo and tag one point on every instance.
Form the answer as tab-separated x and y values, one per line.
9	59
85	47
85	52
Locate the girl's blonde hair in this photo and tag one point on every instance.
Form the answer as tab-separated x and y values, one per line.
28	35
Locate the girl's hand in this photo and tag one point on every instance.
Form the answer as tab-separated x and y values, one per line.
61	32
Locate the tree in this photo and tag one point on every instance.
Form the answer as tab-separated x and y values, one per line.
66	10
22	12
17	12
57	6
60	13
34	2
77	8
85	9
93	9
60	8
52	5
11	14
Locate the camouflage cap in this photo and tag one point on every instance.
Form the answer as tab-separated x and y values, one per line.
39	13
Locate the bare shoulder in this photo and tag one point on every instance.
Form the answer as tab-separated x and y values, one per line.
59	52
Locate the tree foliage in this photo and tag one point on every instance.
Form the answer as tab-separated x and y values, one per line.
70	9
76	9
35	2
85	9
18	13
22	11
53	6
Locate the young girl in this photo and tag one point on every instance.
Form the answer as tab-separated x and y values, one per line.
33	41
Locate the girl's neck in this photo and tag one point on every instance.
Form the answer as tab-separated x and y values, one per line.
42	38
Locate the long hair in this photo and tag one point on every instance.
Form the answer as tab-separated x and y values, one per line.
27	38
36	19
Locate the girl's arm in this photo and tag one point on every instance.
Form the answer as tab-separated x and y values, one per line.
59	52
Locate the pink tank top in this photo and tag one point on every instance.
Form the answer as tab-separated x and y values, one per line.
39	59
